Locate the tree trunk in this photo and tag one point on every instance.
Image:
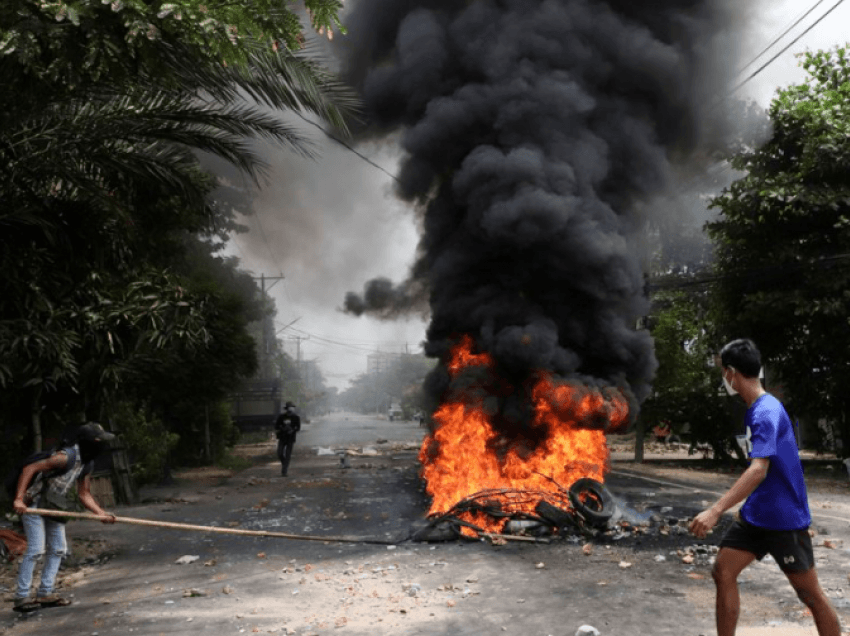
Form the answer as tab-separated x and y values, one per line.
37	437
207	451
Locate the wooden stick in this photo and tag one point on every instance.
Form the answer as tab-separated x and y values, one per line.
194	528
514	537
247	533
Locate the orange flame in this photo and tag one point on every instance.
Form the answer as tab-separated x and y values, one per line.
466	456
461	357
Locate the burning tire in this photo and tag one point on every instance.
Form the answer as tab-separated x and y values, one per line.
592	501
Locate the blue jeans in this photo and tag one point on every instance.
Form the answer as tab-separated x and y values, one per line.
41	532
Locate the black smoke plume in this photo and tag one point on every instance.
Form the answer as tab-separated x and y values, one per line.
533	130
384	299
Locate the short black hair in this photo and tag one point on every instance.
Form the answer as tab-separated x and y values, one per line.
743	355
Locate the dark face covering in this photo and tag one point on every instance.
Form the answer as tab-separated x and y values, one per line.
90	449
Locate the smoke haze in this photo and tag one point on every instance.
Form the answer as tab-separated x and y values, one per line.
327	225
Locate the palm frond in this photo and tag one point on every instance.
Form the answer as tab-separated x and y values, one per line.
277	79
66	141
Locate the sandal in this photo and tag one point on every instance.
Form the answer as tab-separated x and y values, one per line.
53	601
26	606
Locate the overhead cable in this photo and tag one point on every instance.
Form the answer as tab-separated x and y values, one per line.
792	43
336	340
780	36
349	147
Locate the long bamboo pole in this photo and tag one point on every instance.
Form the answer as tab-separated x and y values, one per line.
245	533
194	528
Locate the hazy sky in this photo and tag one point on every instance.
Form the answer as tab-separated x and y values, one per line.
771	18
330	225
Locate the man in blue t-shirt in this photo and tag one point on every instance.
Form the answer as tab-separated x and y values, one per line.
775	517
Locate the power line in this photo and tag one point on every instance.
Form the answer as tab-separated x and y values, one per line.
337	350
349	147
793	42
780	36
360	348
324	341
344	348
338	340
284	328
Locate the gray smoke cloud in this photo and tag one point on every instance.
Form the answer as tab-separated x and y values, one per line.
322	222
533	130
382	298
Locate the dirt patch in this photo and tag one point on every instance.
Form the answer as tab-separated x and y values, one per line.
203	473
255	451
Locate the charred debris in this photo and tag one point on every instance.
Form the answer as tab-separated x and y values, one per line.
586	511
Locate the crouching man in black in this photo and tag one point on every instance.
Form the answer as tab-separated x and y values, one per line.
287	425
48	483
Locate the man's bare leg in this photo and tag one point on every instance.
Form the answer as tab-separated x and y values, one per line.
729	564
809	591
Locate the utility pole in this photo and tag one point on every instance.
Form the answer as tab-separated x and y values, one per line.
298	340
267	328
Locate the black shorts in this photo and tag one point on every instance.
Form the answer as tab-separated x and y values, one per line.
792	549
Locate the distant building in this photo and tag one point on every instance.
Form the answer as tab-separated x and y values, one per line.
381	361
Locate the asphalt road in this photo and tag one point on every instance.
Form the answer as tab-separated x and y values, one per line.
344	429
388	585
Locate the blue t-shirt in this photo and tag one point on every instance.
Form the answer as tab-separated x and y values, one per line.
780	502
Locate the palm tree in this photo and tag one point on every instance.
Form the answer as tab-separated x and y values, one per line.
86	143
78	171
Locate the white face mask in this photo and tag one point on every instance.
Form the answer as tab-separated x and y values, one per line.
726	384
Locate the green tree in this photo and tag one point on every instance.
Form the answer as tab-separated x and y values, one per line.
783	243
103	110
686	394
148	439
79	41
187	387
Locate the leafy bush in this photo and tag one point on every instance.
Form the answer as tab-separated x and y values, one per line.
687	394
148	442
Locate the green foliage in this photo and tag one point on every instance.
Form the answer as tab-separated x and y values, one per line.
686	392
91	39
229	461
189	416
113	290
147	440
185	384
783	242
680	343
